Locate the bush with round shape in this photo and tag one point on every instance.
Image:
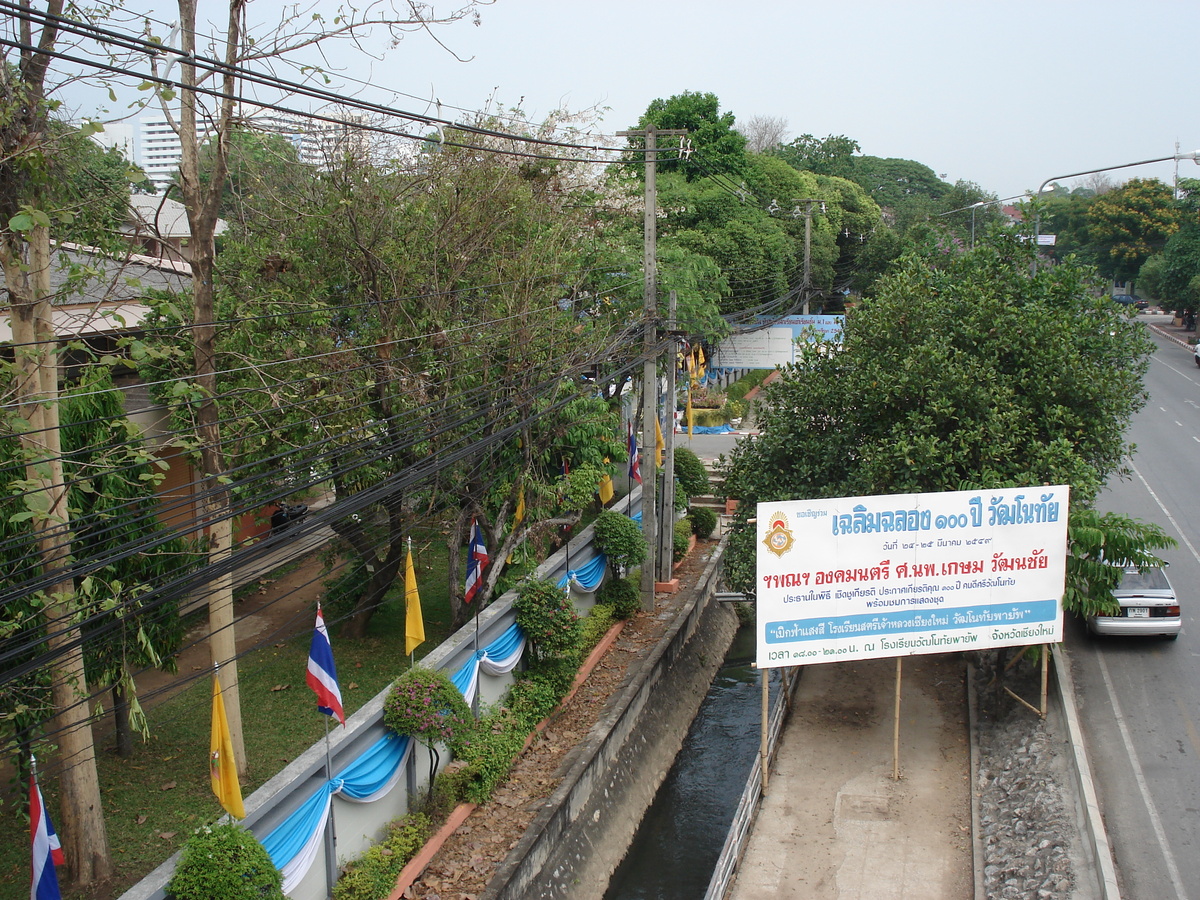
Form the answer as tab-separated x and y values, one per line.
690	473
425	704
620	539
226	862
622	595
548	618
704	521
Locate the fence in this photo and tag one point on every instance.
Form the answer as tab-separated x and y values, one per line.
310	822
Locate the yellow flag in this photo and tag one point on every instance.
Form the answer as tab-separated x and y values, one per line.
606	487
659	446
689	412
518	517
414	622
222	767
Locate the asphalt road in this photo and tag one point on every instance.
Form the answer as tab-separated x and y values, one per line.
1139	699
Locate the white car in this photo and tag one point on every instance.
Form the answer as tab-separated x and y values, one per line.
1196	353
1148	607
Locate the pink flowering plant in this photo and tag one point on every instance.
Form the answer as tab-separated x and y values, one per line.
548	618
425	704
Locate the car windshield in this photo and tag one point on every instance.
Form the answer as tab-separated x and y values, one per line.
1150	580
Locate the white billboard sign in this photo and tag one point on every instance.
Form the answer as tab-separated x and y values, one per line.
776	345
896	575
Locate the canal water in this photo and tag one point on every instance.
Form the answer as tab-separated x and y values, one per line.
676	847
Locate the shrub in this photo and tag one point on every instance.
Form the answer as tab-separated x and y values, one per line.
225	861
487	756
690	472
425	703
622	595
548	618
704	521
595	625
681	539
740	388
373	875
620	539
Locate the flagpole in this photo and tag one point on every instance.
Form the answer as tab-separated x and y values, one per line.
330	831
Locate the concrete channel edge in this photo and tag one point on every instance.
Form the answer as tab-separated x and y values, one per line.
590	773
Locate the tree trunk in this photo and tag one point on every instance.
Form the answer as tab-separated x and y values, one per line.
377	587
201	203
84	839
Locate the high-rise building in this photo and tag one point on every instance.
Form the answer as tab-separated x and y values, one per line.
158	150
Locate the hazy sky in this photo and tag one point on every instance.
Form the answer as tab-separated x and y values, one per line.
1005	94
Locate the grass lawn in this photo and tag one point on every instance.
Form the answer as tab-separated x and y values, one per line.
159	796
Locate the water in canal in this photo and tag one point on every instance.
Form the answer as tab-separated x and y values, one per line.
675	850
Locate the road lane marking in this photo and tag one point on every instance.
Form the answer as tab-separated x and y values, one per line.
1140	778
1166	512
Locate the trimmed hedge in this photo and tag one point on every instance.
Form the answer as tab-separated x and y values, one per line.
704	521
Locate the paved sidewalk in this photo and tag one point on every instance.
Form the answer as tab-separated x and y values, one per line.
834	823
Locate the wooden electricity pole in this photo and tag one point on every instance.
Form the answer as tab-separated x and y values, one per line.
649	349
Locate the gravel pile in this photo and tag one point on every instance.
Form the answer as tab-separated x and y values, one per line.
1027	819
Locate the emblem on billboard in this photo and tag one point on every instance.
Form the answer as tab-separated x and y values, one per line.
779	538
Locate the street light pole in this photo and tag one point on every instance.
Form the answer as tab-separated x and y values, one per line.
1194	156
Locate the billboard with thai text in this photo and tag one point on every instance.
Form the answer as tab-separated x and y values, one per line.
896	575
777	345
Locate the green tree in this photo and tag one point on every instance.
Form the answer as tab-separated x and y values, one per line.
111	496
716	145
907	191
263	169
832	155
1171	275
27	212
1128	225
962	372
89	189
423	303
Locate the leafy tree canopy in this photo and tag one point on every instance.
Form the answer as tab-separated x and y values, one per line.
962	372
717	147
832	155
1129	224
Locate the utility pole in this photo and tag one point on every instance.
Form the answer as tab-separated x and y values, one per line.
808	208
666	540
649	344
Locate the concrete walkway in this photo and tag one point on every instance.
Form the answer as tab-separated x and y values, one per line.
834	823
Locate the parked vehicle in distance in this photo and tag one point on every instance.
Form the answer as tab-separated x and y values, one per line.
1196	353
1125	299
1148	606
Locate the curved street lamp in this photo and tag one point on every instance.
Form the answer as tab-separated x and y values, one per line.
1194	156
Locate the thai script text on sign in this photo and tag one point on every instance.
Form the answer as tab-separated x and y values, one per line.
868	577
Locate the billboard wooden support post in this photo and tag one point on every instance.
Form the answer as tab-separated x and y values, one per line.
764	674
1045	678
896	724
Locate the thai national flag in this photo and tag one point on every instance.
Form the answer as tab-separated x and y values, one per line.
635	465
47	853
322	674
477	560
